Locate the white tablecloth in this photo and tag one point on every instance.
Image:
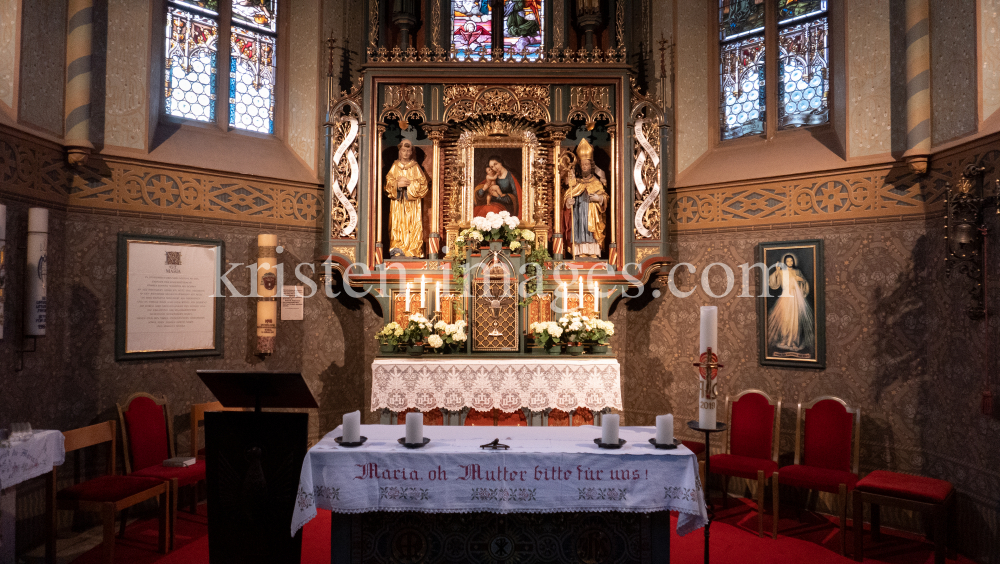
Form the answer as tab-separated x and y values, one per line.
546	470
30	458
535	382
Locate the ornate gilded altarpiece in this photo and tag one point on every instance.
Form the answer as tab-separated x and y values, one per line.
461	117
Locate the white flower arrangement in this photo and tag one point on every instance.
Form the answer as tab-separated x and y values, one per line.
546	332
417	329
390	334
435	342
448	334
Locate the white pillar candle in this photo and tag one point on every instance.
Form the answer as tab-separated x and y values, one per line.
579	293
267	325
707	404
352	427
267	265
3	260
37	272
565	291
609	429
665	429
437	296
423	291
597	298
407	296
414	428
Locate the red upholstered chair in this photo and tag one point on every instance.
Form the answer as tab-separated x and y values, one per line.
826	461
107	494
751	450
148	430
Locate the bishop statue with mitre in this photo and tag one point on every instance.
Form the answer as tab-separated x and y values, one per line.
585	203
406	185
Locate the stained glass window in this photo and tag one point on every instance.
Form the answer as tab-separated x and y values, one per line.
743	94
523	28
471	25
523	25
191	51
801	56
193	54
805	81
740	17
251	67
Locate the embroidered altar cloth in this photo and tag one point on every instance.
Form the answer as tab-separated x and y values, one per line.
537	383
546	470
31	457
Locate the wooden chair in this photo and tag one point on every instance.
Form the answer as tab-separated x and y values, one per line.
751	446
197	416
826	460
915	493
106	494
147	432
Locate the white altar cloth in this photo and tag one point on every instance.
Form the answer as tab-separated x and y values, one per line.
546	470
31	457
24	460
535	382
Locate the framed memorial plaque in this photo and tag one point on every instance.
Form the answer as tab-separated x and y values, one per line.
791	304
169	300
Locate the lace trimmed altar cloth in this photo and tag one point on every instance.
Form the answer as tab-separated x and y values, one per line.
535	382
31	457
546	470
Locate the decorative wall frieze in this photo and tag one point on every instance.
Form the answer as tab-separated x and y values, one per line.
36	171
863	194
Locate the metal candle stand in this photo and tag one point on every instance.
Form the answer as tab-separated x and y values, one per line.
711	368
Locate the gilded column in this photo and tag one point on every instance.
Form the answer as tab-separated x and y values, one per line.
379	132
918	85
436	133
612	189
79	33
557	133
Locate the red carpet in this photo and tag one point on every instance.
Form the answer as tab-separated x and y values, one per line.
734	541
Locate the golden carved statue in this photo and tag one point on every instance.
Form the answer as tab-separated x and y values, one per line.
584	206
406	185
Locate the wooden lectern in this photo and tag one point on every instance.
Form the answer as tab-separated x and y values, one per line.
253	460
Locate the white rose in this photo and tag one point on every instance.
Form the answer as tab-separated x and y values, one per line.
435	341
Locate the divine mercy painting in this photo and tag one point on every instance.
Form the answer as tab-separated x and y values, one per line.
791	305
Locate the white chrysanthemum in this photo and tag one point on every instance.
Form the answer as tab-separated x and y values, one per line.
435	341
527	235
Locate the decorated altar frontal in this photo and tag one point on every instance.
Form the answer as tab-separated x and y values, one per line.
545	471
532	383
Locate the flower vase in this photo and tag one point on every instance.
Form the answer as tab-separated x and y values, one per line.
574	349
416	349
555	349
386	349
599	349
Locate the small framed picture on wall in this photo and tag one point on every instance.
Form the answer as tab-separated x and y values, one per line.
791	304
